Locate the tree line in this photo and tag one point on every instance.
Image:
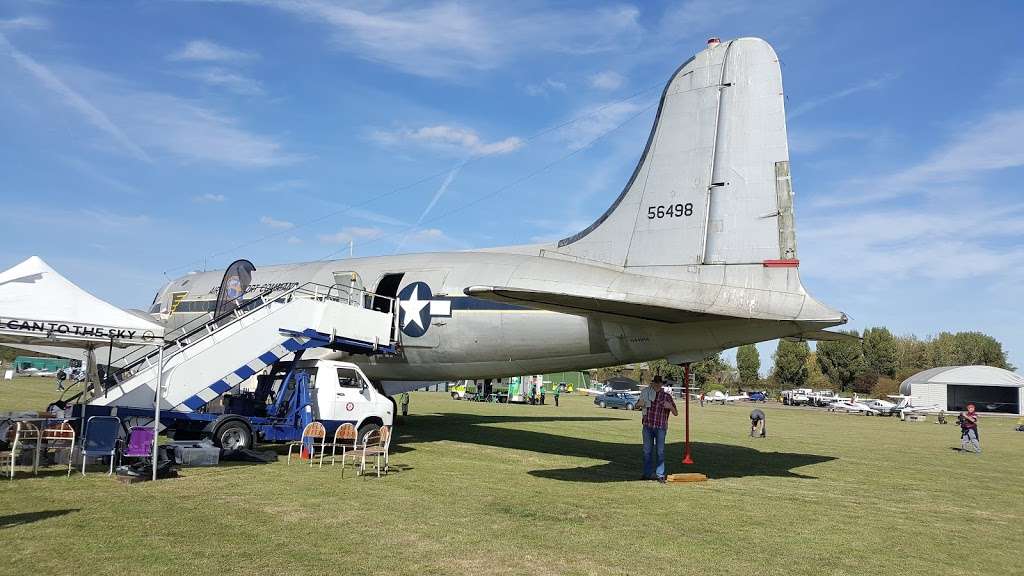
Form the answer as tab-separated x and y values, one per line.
877	361
874	362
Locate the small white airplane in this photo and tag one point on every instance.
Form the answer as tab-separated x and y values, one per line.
905	405
853	406
721	397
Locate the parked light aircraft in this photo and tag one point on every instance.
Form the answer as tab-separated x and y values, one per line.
905	405
696	255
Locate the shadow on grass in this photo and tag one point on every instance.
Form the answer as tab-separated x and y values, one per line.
12	520
623	460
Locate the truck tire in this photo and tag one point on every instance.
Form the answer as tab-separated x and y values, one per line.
366	429
233	435
601	404
455	396
629	407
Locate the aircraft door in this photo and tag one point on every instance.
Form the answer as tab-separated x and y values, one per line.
352	400
350	286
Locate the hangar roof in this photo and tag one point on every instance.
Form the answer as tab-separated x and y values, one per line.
969	375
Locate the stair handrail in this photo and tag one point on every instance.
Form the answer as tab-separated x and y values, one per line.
247	308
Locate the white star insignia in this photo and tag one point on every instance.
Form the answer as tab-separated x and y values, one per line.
413	307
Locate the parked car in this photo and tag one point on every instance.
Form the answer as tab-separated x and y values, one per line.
616	400
757	396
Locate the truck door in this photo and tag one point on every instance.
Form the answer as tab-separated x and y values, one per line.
353	398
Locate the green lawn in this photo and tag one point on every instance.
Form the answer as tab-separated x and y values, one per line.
495	489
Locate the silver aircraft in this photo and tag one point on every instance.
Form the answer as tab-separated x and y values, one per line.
696	255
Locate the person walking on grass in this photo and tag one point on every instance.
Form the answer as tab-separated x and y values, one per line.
557	392
656	404
404	401
542	392
969	430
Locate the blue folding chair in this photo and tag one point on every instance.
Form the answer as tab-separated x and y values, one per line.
100	439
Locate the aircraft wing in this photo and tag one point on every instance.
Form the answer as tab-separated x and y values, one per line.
586	305
823	336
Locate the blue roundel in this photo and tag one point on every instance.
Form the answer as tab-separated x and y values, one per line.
414	309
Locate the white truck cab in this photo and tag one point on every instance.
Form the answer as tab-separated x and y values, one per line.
342	393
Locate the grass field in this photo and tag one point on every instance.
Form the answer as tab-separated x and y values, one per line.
495	489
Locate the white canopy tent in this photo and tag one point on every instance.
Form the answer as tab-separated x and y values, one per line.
40	308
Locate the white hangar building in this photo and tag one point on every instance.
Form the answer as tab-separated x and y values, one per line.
990	389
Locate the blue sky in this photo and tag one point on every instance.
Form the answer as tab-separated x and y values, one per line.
142	140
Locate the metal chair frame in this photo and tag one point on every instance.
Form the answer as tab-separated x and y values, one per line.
349	437
85	439
312	431
24	432
381	439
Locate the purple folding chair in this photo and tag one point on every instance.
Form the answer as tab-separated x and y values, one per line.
140	442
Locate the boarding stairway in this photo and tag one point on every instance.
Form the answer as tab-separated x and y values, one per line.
208	357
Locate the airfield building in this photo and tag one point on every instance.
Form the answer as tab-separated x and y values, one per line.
990	389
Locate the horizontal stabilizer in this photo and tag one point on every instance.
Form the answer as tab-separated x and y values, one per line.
587	305
823	336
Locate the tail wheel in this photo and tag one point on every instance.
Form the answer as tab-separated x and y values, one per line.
233	435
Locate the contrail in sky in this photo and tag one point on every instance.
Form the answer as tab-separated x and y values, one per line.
433	201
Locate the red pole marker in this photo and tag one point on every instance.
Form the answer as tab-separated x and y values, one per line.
686	401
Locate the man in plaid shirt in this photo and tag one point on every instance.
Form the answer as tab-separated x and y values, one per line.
656	404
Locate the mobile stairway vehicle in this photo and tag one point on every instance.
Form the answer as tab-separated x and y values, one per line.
209	366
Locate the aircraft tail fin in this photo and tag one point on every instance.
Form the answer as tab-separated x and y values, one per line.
713	184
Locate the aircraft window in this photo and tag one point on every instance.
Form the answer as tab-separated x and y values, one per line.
349	378
388	286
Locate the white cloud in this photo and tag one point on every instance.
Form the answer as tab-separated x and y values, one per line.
351	233
992	144
73	99
144	122
594	121
936	244
449	139
808	140
447	39
107	219
92	171
276	224
607	80
229	80
546	87
24	23
209	198
870	84
207	51
294	240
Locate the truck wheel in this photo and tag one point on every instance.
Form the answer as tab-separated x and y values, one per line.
366	429
601	403
629	407
233	435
